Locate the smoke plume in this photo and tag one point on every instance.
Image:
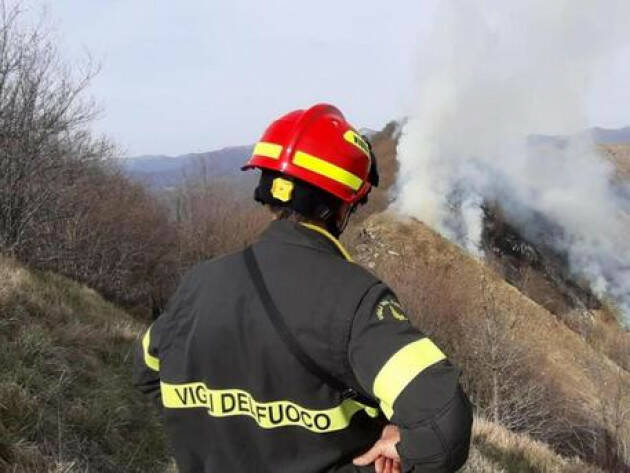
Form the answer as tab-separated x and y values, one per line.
494	75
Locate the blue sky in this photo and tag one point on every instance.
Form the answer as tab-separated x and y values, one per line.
198	75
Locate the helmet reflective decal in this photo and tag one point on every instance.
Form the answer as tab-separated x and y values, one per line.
268	150
351	137
327	169
282	189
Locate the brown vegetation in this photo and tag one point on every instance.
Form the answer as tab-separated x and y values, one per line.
214	218
619	155
496	449
63	204
522	366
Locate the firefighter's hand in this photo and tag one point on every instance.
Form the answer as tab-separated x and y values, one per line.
383	453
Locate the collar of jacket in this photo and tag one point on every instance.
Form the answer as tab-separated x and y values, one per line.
305	234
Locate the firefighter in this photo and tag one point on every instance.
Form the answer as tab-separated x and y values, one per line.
289	357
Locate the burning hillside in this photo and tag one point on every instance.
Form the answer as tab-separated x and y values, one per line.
531	262
502	73
539	270
526	369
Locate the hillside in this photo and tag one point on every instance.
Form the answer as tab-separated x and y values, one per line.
558	355
497	450
473	311
66	402
619	155
444	280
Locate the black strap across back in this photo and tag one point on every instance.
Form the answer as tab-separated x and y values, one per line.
289	340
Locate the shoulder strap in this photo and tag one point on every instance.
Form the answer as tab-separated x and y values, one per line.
287	337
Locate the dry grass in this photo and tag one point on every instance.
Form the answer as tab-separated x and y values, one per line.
619	155
445	292
66	404
605	335
496	449
447	284
66	401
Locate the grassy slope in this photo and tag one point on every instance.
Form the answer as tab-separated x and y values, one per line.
447	279
66	403
432	276
496	450
619	155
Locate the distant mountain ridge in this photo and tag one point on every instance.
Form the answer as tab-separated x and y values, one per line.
167	171
161	171
611	136
602	136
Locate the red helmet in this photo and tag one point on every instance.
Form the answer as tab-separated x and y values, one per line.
320	147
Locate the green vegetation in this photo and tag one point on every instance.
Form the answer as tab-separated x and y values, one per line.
66	400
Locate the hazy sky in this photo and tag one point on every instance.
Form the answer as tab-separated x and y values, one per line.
198	75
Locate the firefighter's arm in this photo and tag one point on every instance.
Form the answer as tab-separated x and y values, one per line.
146	374
413	381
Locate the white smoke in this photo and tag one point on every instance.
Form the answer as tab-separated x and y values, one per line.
494	73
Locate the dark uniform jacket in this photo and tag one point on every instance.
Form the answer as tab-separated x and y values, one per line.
234	397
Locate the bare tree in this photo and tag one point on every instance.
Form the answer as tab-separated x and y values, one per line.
213	217
610	420
499	376
63	204
43	120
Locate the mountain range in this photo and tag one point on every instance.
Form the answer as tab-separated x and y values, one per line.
161	171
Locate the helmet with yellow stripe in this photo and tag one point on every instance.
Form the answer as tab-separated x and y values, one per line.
316	147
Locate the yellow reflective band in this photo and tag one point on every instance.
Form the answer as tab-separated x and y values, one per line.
149	360
388	411
401	369
336	242
268	415
268	150
329	170
351	137
397	315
